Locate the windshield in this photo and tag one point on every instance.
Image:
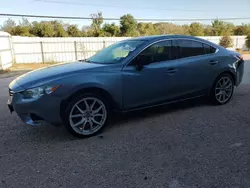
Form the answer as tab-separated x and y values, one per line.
115	53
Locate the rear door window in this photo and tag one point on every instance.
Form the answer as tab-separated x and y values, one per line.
190	48
209	49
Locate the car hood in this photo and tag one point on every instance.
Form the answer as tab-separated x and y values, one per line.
46	74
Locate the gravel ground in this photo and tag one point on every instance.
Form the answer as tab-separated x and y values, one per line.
186	145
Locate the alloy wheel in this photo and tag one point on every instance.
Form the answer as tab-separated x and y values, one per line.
224	89
88	116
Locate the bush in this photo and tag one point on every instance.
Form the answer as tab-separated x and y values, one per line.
226	41
248	41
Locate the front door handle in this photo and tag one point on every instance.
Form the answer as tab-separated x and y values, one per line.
213	62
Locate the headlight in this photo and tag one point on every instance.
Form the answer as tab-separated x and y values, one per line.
38	92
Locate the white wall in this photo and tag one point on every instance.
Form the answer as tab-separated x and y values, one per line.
6	58
29	49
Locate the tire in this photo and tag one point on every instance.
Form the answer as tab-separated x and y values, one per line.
222	93
86	119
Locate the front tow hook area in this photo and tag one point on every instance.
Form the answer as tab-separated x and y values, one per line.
31	119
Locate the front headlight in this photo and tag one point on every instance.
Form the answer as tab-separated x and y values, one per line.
38	92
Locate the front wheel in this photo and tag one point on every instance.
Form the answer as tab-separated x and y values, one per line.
223	89
86	115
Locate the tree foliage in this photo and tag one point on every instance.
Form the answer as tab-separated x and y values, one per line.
73	31
226	41
221	28
248	41
243	29
111	30
97	21
196	29
146	29
128	27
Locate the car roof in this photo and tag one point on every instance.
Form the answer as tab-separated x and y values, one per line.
154	38
159	37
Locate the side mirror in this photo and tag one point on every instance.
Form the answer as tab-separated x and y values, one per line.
139	67
141	61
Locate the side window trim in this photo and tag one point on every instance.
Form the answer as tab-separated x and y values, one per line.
172	39
202	42
154	43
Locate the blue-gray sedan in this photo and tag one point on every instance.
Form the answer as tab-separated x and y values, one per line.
129	75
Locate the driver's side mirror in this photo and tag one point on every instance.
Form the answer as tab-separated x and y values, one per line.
141	61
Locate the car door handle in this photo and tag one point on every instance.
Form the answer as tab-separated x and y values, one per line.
213	62
171	70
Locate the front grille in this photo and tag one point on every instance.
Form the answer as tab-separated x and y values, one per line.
11	92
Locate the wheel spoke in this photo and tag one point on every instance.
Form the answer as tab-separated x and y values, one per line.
98	115
76	115
229	86
93	104
220	97
98	109
223	96
91	124
86	104
79	123
80	110
218	93
96	122
84	124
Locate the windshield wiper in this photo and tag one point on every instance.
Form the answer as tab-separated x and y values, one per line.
86	60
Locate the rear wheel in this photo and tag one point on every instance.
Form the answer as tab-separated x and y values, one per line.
223	89
86	115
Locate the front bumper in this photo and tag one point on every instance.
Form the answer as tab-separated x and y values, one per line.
32	112
240	72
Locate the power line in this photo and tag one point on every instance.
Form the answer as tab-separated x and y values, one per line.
117	19
130	7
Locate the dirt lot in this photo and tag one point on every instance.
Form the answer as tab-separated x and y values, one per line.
187	145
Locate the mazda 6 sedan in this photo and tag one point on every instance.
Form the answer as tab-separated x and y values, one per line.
129	75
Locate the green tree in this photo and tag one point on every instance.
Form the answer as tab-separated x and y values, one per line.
221	28
111	30
243	29
196	29
248	41
226	41
42	29
59	30
208	30
128	26
73	31
21	31
8	26
146	29
97	21
170	28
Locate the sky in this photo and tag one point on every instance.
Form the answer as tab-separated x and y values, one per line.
149	9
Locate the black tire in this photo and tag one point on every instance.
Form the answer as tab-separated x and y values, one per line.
66	118
213	91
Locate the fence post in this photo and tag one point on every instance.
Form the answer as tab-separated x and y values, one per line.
42	53
237	42
75	50
104	44
12	50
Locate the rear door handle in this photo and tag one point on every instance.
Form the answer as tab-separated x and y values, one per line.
213	62
171	70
